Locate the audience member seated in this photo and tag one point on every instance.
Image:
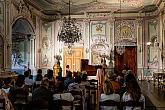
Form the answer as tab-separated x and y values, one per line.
84	81
42	93
120	78
129	76
39	75
115	84
28	81
68	80
38	78
75	86
51	79
8	104
108	94
1	84
60	95
77	92
7	85
133	93
19	89
84	85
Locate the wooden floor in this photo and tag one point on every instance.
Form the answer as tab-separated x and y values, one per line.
155	98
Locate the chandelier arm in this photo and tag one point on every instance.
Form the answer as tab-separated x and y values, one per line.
120	48
69	31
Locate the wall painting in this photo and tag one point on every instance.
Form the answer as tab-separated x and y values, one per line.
46	45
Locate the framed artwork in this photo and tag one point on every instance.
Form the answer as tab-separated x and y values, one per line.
153	51
98	28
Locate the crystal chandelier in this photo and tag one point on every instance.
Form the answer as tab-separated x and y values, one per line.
69	32
120	48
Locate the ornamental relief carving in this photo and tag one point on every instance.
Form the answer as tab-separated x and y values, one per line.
125	32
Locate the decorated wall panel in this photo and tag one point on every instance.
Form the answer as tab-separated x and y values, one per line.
99	41
125	32
46	51
153	49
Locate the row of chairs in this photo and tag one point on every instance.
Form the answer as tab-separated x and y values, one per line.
2	104
120	105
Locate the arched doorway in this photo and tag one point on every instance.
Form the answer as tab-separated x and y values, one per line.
22	45
1	53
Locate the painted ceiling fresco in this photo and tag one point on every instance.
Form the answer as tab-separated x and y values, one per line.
80	6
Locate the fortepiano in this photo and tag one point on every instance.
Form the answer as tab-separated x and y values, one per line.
90	69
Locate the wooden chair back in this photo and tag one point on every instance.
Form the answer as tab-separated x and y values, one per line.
2	104
20	96
40	105
132	104
110	103
78	99
66	103
60	104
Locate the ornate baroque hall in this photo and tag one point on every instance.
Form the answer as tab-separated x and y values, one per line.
82	54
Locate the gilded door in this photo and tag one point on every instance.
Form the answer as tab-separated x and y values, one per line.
72	57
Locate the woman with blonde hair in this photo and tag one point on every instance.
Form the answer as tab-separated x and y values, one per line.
108	94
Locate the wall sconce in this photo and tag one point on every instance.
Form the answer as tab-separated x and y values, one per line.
140	49
8	46
60	51
87	50
39	50
148	43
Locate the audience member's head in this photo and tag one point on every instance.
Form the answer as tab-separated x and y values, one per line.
111	75
26	74
125	67
133	88
77	79
50	74
129	72
7	81
31	77
45	83
107	87
29	70
39	71
84	77
129	77
1	84
67	66
20	81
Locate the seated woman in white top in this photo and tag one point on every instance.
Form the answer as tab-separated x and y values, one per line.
133	93
109	95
